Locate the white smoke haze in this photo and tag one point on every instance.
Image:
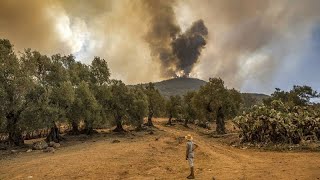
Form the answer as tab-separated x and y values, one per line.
248	43
250	39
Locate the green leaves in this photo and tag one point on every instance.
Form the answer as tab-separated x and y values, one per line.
156	103
298	96
279	123
189	109
174	107
285	117
36	89
139	106
127	105
63	94
214	95
85	106
99	71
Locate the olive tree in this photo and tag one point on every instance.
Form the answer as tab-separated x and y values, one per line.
138	108
215	101
156	102
78	74
14	86
174	108
85	107
118	104
297	96
100	86
189	110
100	73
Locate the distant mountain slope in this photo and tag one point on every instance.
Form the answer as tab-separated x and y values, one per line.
180	86
250	99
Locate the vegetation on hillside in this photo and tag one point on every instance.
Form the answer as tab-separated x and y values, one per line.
181	86
178	86
285	117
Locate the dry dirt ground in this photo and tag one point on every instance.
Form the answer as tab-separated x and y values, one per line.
157	156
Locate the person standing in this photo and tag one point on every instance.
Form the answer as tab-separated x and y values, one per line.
191	146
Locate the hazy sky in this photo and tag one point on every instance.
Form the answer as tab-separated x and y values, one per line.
253	45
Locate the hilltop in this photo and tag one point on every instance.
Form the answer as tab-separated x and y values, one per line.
180	86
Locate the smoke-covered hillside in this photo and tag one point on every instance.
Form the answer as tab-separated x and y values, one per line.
179	86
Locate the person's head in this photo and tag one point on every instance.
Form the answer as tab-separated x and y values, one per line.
188	137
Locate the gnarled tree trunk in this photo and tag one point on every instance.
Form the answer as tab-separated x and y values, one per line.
220	122
186	122
15	134
119	127
170	120
54	134
88	128
149	123
75	128
140	124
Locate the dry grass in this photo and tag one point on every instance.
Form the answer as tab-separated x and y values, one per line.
161	155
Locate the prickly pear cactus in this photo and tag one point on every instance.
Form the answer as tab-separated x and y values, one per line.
279	123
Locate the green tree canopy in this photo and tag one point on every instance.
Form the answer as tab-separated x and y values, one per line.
214	100
100	73
297	96
174	108
85	107
139	106
156	102
14	87
118	104
36	90
189	110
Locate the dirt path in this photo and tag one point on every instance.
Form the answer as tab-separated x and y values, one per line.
232	163
157	156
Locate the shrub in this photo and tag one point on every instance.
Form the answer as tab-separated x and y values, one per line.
279	123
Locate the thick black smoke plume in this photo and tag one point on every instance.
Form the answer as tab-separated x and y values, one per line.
163	27
177	52
187	47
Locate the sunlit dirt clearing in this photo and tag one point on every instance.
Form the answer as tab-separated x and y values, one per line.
157	156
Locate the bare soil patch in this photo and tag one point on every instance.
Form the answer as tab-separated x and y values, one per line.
161	155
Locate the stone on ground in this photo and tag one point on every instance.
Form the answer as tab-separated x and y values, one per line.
29	150
115	141
39	145
49	149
